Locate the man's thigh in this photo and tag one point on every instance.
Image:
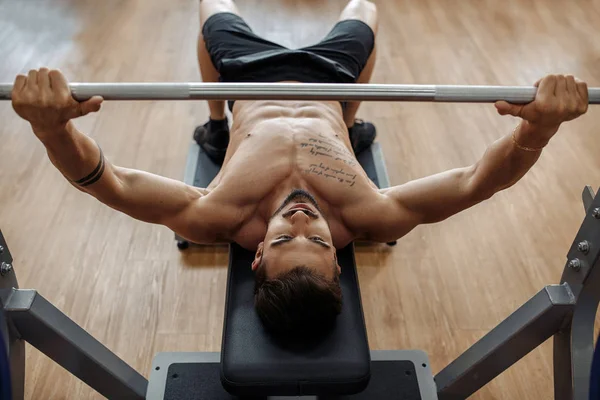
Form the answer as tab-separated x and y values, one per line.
231	44
349	44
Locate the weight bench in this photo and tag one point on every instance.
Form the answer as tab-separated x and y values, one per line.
255	363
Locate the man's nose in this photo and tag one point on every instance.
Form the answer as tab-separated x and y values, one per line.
299	218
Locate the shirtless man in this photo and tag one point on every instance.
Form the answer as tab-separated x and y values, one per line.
269	195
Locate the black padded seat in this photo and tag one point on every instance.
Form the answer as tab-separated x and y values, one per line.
254	363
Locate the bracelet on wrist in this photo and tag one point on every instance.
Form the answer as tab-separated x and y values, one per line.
521	147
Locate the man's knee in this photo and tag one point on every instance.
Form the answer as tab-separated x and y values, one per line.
364	6
362	10
210	7
217	3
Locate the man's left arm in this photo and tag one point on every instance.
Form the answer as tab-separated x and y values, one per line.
437	197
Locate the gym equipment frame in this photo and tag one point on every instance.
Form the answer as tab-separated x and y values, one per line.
565	311
302	91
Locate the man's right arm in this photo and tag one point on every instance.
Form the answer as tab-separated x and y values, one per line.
44	99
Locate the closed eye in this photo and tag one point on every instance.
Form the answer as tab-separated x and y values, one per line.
286	238
320	241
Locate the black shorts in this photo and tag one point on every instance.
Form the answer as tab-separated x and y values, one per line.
241	56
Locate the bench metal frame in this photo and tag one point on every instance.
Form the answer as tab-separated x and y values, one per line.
162	361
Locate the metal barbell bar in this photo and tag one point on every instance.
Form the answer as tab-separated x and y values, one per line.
302	91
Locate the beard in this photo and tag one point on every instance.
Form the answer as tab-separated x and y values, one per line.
298	196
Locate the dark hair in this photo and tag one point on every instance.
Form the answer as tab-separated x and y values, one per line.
297	302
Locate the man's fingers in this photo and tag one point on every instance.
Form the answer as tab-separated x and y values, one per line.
44	80
19	84
582	89
561	85
59	83
32	78
547	87
91	105
571	84
505	108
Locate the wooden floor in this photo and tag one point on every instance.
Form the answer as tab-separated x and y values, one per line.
440	289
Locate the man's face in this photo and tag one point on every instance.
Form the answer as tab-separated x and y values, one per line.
297	234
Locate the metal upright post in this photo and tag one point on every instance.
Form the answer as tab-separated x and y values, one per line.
68	344
13	344
574	344
566	311
27	316
524	330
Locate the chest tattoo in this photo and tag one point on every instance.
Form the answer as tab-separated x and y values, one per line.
324	147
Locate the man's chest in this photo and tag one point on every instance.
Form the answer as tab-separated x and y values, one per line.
312	155
269	164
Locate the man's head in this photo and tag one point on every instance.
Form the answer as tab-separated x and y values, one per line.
297	276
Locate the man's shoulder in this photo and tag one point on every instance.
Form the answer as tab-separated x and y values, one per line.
370	214
250	233
210	219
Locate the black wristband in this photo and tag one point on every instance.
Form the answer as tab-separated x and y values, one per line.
95	174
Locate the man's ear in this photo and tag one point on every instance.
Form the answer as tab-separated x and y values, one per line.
258	256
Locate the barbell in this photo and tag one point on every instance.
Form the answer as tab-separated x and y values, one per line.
302	91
